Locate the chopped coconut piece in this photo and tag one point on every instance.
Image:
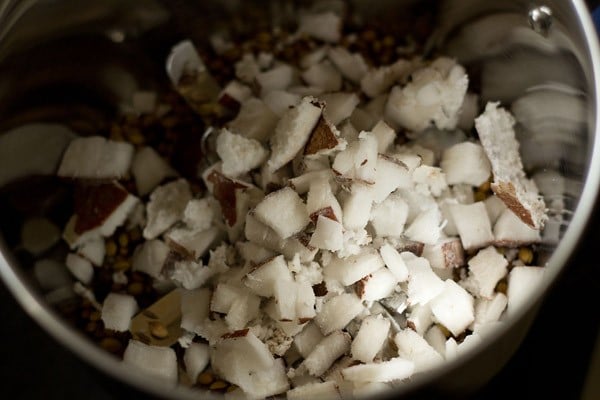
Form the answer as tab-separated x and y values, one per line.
356	207
339	106
511	231
199	214
390	175
196	358
238	153
81	268
93	250
353	268
358	161
488	311
261	280
323	75
371	336
277	78
337	312
466	162
453	307
394	262
385	136
283	211
292	132
473	224
328	234
413	347
150	257
95	157
333	346
388	217
316	390
117	311
386	371
149	169
192	243
496	132
426	227
322	202
255	120
160	362
376	286
352	65
307	339
486	269
423	283
434	96
166	206
447	253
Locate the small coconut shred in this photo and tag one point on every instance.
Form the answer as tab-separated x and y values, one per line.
351	232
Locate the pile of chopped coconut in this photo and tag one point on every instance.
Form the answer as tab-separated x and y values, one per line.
352	234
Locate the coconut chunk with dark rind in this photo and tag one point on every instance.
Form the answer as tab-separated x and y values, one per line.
293	131
96	157
497	135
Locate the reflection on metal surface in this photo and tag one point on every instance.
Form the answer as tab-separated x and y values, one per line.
540	19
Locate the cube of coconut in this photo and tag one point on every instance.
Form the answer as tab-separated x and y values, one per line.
301	183
190	274
379	80
280	101
328	234
80	267
426	227
371	336
511	231
150	256
166	206
353	268
486	269
117	311
247	68
496	132
419	318
199	214
242	359
277	78
195	359
305	301
285	294
466	162
339	106
262	235
307	339
376	109
159	362
388	217
436	339
39	235
423	283
93	250
95	157
243	310
224	295
376	286
434	96
429	180
292	132
233	95
323	75
192	243
356	207
337	312
313	57
238	153
322	201
195	306
99	210
385	135
451	349
261	280
283	211
447	253
352	65
386	371
149	169
394	262
316	390
495	207
359	160
488	311
473	225
325	26
453	307
390	175
332	347
522	284
413	347
255	120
